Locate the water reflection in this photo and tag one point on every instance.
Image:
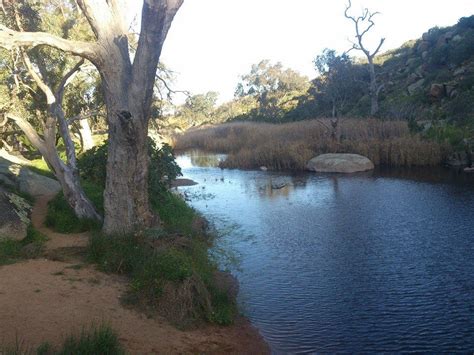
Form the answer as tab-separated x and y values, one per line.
378	262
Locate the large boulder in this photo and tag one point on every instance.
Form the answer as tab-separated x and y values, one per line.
21	178
14	216
339	163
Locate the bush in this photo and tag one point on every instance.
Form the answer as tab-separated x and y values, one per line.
162	169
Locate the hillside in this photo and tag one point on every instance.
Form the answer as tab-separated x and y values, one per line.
431	78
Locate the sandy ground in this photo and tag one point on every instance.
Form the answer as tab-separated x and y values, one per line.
46	300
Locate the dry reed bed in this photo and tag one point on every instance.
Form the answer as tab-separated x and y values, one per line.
291	145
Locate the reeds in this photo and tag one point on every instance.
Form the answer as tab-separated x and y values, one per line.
289	146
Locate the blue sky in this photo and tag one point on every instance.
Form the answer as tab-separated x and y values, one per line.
213	42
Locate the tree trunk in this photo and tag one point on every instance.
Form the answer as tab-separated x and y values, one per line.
86	135
128	91
126	201
374	99
67	177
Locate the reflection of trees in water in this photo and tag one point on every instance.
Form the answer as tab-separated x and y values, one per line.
204	160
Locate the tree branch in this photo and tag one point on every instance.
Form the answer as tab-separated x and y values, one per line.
10	39
37	78
157	16
67	77
29	131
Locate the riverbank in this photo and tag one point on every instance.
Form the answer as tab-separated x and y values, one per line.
290	146
58	294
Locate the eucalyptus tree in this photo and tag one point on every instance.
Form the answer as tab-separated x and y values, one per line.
128	91
275	88
45	81
362	25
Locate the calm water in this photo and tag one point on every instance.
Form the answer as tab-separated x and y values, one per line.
330	263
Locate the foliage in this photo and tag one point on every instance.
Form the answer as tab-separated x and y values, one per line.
339	84
275	89
29	247
166	272
198	109
163	168
174	212
453	135
62	218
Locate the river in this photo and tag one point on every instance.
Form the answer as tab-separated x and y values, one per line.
372	262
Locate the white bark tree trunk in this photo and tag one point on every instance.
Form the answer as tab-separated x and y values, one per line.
128	91
86	135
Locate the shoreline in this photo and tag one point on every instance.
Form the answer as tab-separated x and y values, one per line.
69	295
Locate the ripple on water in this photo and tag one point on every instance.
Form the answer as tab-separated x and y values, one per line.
348	263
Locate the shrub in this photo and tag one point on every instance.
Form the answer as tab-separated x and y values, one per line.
162	169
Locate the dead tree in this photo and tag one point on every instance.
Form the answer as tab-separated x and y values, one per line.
363	24
128	91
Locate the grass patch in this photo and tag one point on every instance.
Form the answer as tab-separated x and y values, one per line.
176	215
61	217
39	166
28	248
96	340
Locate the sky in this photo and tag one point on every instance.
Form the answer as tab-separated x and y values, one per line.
213	42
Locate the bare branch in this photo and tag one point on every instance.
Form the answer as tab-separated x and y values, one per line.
10	39
66	79
38	79
83	116
382	40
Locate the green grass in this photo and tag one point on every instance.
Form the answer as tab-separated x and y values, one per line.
30	247
61	216
96	340
39	166
174	212
173	260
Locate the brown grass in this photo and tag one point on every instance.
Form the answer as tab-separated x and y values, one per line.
291	145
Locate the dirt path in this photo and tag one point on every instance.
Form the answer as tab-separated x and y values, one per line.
45	300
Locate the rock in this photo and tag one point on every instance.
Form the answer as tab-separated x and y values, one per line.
424	46
263	168
459	71
457	159
339	163
26	181
437	90
14	216
449	89
410	62
415	86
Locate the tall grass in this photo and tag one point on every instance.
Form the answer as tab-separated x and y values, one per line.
291	145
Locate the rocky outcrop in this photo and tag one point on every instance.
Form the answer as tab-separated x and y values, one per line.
437	91
339	163
19	177
14	216
415	86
